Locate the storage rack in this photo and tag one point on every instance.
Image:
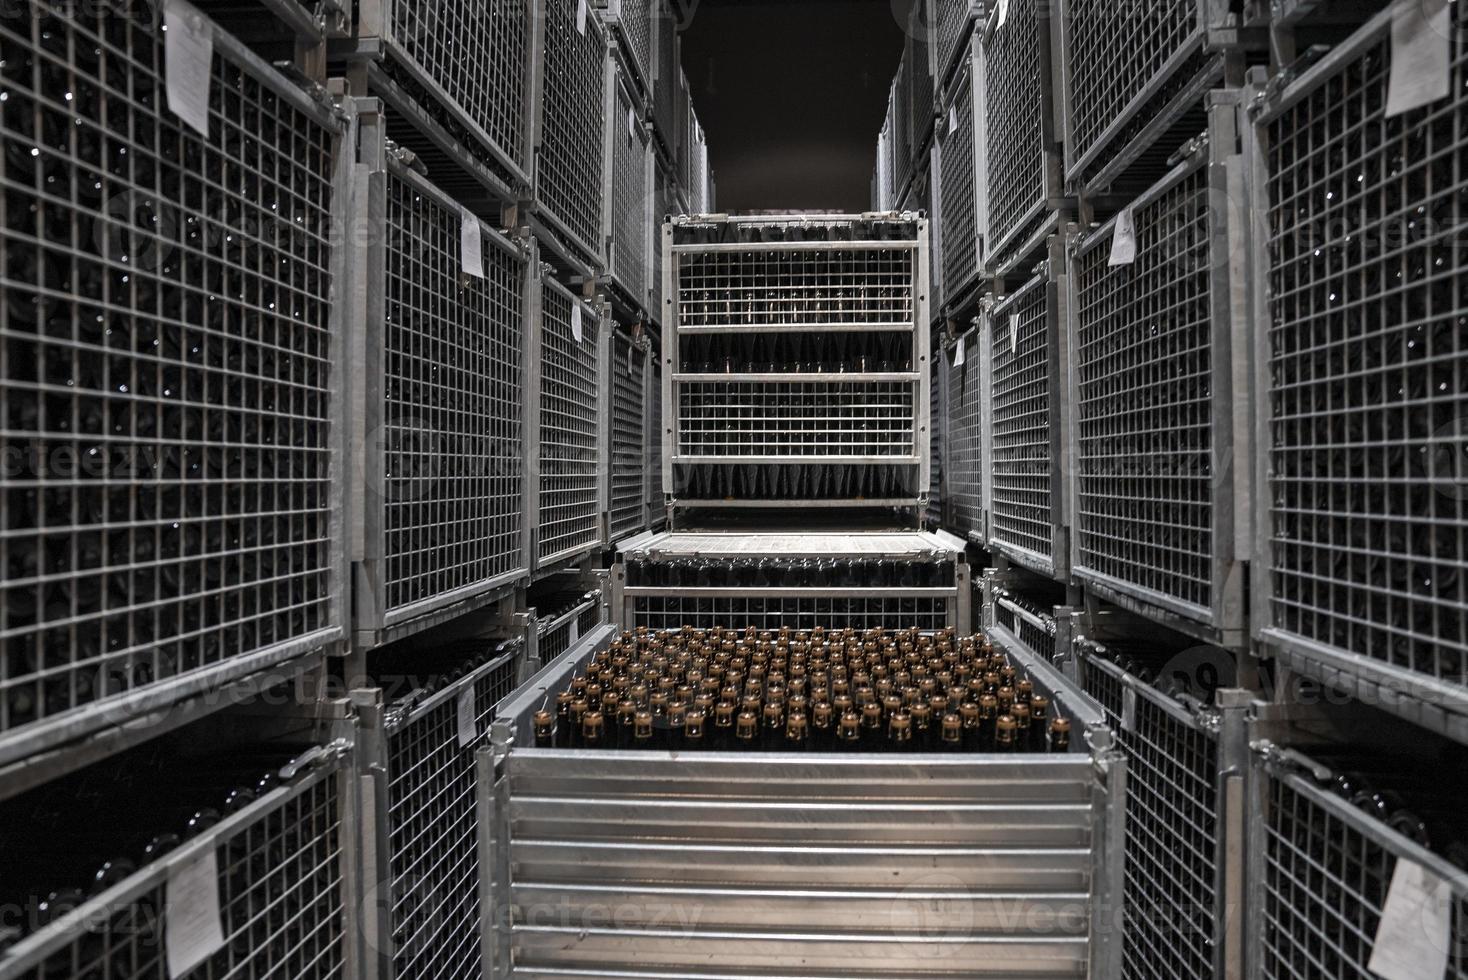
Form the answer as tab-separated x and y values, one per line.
968	408
627	408
963	183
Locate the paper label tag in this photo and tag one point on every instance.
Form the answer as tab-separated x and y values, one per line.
1124	239
471	246
188	62
1412	940
580	16
576	321
574	632
193	930
1003	12
632	124
1129	709
959	353
468	724
1422	54
953	118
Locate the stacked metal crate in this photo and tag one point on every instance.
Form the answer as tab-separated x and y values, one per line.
967	408
799	347
625	416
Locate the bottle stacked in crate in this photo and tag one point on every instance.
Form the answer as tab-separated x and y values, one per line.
802	691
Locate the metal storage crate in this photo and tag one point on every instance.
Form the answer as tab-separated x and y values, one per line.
632	20
667	71
628	197
571	130
937	441
626	418
1133	74
885	197
1185	799
657	503
1020	622
174	336
787	589
953	28
560	633
1362	580
967	414
893	861
1022	145
1159	348
460	74
419	766
1027	444
1321	871
288	891
438	424
921	97
569	401
963	204
902	137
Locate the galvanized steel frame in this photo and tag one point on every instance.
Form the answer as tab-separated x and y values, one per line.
963	184
628	153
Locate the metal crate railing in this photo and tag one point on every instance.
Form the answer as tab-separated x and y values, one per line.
287	890
1132	73
571	129
1321	872
632	20
1184	814
626	417
761	421
666	70
963	202
937	442
657	503
921	96
562	632
628	197
967	411
1159	453
169	371
459	71
1027	419
1361	576
671	612
1022	145
571	356
440	424
420	760
953	29
1026	622
900	98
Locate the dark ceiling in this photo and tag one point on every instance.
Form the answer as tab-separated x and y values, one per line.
792	94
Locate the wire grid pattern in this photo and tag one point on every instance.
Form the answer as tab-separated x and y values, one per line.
165	365
1171	853
1145	400
667	70
773	611
475	52
432	842
965	440
634	18
1325	884
1040	640
590	617
1023	466
656	502
1115	51
281	904
628	420
660	202
631	209
902	143
814	419
954	20
957	175
1014	107
937	450
453	429
569	164
858	287
919	80
1368	388
570	425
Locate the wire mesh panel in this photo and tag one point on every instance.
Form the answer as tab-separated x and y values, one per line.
431	821
561	633
569	161
958	217
666	72
965	437
167	368
630	205
570	426
1026	621
468	65
450	415
1145	338
1367	536
656	498
902	148
918	62
1018	106
283	901
1325	873
953	26
633	20
1025	425
773	611
628	420
1127	67
937	440
1171	856
798	419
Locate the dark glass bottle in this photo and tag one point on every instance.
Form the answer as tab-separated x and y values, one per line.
797	732
1006	734
1060	735
593	730
848	732
545	730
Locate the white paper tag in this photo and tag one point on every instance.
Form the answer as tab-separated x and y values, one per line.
188	62
1124	239
953	119
1422	54
468	724
576	321
1003	12
471	245
632	124
574	632
580	16
1412	941
1129	709
193	930
958	353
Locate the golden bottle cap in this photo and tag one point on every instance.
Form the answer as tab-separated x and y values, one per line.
591	725
952	728
970	714
693	724
1039	707
747	726
899	728
644	725
871	715
724	715
796	726
545	724
1005	729
850	728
